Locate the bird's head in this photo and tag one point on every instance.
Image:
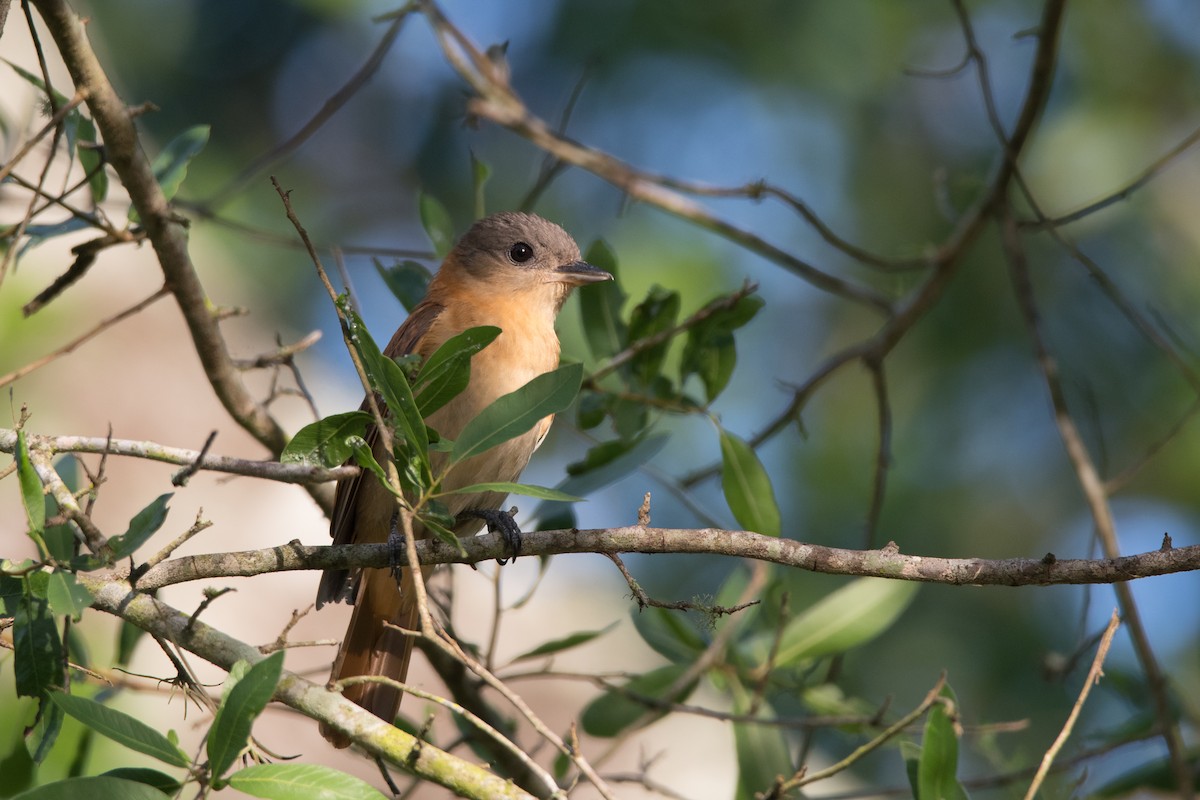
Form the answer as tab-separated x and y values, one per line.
516	253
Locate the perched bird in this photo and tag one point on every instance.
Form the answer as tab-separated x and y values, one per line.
510	270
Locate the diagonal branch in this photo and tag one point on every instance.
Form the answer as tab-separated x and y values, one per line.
376	736
166	232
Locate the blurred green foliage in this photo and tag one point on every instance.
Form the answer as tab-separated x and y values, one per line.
840	104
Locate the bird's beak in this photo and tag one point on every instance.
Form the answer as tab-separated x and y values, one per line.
580	272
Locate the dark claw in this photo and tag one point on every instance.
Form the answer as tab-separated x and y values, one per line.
395	543
501	522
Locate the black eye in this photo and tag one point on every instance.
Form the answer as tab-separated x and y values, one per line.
520	252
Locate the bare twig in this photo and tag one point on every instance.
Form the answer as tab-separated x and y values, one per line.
102	326
1093	677
269	470
1093	490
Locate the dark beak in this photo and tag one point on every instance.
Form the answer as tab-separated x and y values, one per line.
580	272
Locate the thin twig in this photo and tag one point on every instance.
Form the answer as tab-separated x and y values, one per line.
269	470
1093	677
1098	505
70	347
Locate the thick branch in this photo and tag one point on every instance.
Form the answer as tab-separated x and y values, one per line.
166	232
373	734
885	563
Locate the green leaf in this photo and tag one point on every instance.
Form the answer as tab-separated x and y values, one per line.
323	443
436	221
847	618
523	489
40	741
389	380
171	166
121	728
32	493
67	596
364	458
301	782
144	525
59	99
150	777
747	487
592	408
657	313
709	351
517	412
37	648
480	172
97	787
600	306
12	588
17	767
408	280
127	638
91	159
436	523
448	370
565	643
763	754
672	634
938	766
614	711
244	702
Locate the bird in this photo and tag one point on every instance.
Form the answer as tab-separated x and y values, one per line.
512	270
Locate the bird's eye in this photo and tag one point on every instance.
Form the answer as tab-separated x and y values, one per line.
520	252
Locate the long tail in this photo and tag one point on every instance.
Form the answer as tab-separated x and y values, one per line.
372	648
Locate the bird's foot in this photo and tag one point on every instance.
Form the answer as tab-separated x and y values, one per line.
395	542
502	522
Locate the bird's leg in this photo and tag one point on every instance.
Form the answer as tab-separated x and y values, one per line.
395	543
502	522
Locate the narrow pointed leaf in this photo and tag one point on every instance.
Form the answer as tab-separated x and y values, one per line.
937	769
96	787
121	728
747	487
657	313
600	306
517	412
245	701
171	166
144	525
408	280
144	775
565	643
436	221
390	381
672	634
523	489
615	710
364	458
67	596
448	370
32	494
323	443
763	754
301	782
37	648
847	618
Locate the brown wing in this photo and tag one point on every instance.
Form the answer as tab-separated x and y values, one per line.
336	584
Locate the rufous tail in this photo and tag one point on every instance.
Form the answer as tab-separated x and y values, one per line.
373	648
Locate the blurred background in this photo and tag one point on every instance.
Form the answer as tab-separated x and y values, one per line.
853	107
